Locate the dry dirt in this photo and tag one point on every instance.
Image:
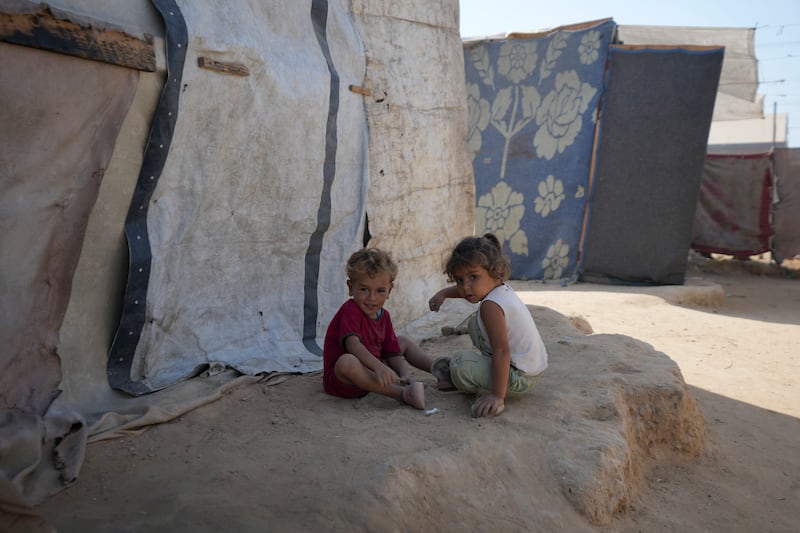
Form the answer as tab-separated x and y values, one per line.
286	457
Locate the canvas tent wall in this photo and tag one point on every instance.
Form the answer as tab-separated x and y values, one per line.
246	165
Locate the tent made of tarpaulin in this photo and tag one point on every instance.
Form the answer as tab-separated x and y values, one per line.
194	213
533	101
733	212
651	148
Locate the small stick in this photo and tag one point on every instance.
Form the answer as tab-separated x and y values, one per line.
361	90
237	69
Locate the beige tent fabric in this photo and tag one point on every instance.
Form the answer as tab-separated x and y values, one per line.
41	455
738	85
139	413
93	312
17	515
421	187
66	116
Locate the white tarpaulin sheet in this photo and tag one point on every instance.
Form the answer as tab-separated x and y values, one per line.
259	202
264	191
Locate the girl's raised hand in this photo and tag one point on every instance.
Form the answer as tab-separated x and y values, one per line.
436	302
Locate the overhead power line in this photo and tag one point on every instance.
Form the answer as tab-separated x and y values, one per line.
777	25
778	43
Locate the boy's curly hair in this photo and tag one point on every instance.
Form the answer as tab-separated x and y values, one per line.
483	251
370	261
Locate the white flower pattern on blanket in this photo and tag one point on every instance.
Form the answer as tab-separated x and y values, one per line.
500	213
529	106
551	193
560	116
557	260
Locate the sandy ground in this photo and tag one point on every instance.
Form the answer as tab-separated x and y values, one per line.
266	458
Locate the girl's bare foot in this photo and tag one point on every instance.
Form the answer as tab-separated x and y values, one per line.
441	370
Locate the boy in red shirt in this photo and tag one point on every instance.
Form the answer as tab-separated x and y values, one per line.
362	354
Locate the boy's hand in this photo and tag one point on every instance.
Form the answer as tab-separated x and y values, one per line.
385	375
489	405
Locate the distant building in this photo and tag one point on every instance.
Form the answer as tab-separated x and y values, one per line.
748	136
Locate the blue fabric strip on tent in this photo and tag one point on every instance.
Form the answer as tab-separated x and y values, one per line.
319	19
533	104
123	347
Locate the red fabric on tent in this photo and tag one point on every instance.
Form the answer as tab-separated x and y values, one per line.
733	210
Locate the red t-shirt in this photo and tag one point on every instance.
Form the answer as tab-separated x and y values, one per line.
377	335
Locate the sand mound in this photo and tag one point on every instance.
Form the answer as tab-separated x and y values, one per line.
576	449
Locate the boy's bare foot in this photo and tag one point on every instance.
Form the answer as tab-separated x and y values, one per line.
441	370
414	395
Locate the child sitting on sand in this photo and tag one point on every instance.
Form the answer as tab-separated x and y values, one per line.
511	352
362	354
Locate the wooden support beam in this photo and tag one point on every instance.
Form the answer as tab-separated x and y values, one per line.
40	26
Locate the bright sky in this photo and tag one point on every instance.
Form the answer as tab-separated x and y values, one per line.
777	37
